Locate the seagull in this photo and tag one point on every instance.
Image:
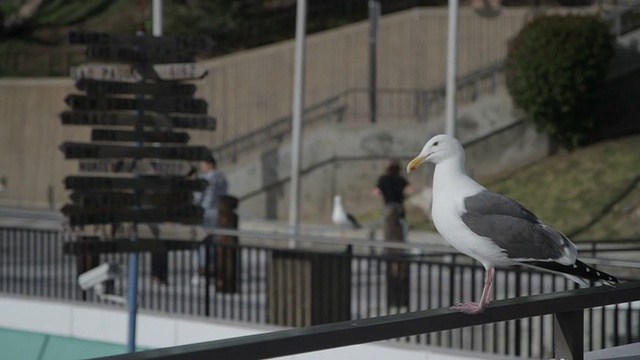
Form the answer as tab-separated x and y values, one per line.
340	216
492	228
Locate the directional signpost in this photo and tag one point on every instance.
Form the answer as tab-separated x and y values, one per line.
93	118
139	166
96	198
129	54
139	136
158	104
98	87
138	72
74	150
138	86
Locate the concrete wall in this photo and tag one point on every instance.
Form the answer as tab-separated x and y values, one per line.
346	159
249	89
30	161
245	90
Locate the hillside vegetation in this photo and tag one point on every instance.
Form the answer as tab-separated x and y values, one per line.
591	193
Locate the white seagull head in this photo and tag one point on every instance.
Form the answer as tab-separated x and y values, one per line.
438	149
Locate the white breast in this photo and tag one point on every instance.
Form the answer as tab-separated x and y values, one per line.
448	206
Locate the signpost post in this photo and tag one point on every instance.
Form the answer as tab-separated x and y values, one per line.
141	88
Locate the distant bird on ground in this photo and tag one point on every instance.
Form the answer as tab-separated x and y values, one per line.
341	217
494	229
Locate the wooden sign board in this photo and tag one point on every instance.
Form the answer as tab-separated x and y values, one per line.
130	54
140	166
147	183
108	198
157	104
73	150
139	136
94	88
124	72
158	121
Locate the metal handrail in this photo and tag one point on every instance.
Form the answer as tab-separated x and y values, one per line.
274	130
31	264
567	308
334	240
336	105
444	249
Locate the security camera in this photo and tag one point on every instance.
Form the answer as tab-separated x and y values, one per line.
96	276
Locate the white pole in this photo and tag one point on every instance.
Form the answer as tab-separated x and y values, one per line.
374	17
296	121
157	18
452	58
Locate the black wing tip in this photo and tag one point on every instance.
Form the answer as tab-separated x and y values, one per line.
597	275
579	269
600	275
354	221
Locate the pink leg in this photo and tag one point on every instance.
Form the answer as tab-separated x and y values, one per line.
475	307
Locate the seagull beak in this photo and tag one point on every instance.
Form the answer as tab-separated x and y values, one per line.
417	161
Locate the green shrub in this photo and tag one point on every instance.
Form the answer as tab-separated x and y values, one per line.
555	66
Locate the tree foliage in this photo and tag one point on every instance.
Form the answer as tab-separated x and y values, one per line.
555	66
25	16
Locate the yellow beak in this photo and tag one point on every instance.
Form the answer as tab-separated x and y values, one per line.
413	164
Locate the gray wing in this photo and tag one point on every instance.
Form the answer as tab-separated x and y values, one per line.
515	229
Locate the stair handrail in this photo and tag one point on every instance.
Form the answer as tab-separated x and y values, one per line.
335	107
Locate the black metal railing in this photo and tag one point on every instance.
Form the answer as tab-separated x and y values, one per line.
326	280
421	105
566	308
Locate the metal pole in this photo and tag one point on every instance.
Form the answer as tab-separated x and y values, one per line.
132	298
452	58
374	15
134	257
157	18
296	121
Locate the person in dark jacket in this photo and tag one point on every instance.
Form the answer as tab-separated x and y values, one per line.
392	186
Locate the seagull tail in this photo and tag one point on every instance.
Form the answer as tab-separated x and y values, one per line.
354	221
577	272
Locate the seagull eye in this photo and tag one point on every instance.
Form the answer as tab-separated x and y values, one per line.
435	143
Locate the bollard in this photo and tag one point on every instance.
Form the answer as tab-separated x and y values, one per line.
227	257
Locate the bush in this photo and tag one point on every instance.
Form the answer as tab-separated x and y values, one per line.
555	66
